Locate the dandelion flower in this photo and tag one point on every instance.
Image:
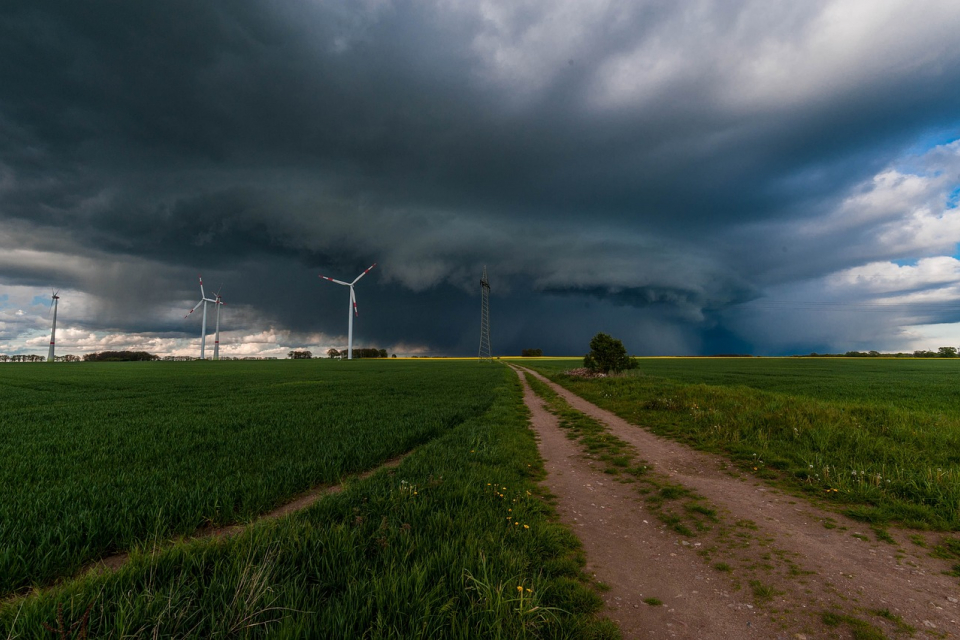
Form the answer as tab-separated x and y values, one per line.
526	526
519	587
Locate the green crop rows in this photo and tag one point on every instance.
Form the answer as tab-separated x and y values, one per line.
878	437
99	458
453	543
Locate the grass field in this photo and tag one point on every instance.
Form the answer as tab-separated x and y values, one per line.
101	457
455	542
927	384
879	437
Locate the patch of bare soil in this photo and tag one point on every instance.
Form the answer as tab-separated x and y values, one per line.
773	565
583	372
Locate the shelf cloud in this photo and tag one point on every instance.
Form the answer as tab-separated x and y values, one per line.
694	178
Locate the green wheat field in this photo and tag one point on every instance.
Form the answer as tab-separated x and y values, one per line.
455	542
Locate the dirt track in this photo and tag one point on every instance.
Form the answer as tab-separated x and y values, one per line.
814	561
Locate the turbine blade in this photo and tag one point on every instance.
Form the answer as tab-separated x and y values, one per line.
194	309
353	299
366	271
346	284
202	295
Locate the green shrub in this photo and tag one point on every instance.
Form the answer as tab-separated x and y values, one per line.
607	354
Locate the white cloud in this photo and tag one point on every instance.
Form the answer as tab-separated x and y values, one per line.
887	278
758	56
902	214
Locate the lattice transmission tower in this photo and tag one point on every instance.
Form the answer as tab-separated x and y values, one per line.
485	352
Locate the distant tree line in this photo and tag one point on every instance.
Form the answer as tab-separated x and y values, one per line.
358	353
22	358
300	355
120	356
531	353
32	358
942	352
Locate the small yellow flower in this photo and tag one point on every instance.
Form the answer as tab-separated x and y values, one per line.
516	523
509	509
529	590
526	526
519	587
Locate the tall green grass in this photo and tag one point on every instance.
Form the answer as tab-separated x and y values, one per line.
879	461
100	457
454	543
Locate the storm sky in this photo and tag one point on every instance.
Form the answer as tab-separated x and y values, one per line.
691	177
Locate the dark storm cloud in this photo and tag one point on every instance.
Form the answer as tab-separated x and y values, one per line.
655	162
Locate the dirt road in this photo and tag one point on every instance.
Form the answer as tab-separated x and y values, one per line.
774	566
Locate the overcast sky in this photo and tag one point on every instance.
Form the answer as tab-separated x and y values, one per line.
692	177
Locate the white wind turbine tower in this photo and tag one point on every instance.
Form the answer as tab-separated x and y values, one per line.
203	331
216	342
352	309
53	332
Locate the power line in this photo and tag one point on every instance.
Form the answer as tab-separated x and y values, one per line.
919	307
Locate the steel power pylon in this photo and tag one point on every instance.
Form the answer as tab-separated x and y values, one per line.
485	352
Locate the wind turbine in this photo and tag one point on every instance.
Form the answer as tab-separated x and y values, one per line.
216	342
53	331
203	331
352	309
